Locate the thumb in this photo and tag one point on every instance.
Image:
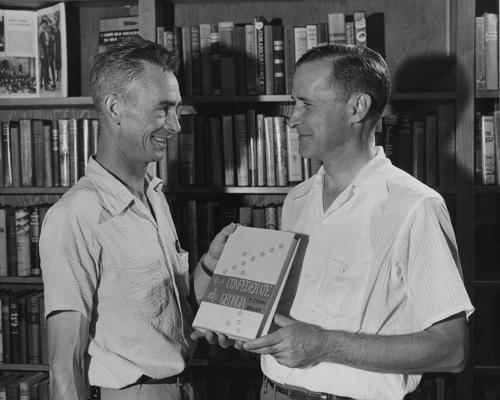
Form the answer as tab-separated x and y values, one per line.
282	321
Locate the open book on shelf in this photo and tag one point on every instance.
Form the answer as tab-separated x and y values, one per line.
242	296
33	52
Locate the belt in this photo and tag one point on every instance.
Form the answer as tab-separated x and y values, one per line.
297	393
182	377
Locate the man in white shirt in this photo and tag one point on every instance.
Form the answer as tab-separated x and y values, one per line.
378	297
115	278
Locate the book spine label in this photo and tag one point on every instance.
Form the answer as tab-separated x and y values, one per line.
488	166
279	59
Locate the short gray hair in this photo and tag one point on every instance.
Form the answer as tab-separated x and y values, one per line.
123	62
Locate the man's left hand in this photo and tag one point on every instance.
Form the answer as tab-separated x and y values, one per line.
217	245
295	344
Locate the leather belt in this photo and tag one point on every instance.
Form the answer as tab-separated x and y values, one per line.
183	377
297	393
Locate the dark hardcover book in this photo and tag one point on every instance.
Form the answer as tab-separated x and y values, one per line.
73	150
224	214
289	38
38	156
5	383
228	149
239	48
15	153
28	387
322	33
259	217
6	155
10	220
25	144
83	145
227	58
173	160
404	155
43	390
196	59
34	238
44	342
187	68
200	151
389	134
206	224
1	162
206	62
186	150
241	145
23	241
250	60
23	324
15	357
252	147
33	318
12	392
215	128
47	155
215	60
268	59
259	23
278	59
6	352
54	149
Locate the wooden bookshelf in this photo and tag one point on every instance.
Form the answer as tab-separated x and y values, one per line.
24	280
24	367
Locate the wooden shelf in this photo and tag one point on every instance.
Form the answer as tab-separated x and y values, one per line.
23	367
487	189
227	190
32	190
487	94
32	280
48	102
487	369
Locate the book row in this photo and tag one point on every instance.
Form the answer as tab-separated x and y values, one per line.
252	58
486	54
26	386
24	328
46	153
19	235
487	149
197	222
422	145
247	149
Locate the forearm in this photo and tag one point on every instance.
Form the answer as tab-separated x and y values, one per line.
201	278
426	351
68	382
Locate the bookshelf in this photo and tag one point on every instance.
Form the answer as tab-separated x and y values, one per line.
415	38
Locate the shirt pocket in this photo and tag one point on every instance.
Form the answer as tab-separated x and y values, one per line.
342	288
183	271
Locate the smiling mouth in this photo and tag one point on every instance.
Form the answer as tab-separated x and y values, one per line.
160	140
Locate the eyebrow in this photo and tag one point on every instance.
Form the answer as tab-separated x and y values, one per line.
168	103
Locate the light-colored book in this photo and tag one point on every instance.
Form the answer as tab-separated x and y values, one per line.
336	28
294	160
488	166
242	296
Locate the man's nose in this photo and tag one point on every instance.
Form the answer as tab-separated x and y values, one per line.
172	123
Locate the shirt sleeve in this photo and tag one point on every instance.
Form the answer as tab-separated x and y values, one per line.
428	254
68	260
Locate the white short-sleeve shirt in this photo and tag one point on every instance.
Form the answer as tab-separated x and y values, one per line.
104	254
382	259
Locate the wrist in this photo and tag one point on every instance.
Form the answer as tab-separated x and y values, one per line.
209	271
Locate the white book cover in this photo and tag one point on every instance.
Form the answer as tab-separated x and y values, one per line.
244	291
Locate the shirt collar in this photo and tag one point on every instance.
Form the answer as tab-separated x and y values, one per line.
114	193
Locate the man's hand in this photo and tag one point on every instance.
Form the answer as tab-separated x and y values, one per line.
216	338
217	245
295	345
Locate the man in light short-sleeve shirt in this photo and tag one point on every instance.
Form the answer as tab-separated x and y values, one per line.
376	298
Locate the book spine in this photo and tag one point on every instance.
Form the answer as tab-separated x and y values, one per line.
200	151
15	153
491	50
205	50
349	30
34	238
173	160
11	242
160	33
269	59
64	152
187	71
228	149
245	216
239	47
270	217
336	28
389	133
23	329
306	168
446	144
252	147
289	57
94	135
6	329
33	317
227	59
251	59
322	34
311	36
261	150
216	153
269	151
405	141
73	150
279	60
480	61
496	132
196	59
26	152
38	156
418	150
7	155
259	217
186	151
47	155
2	177
3	244
23	242
241	140
260	50
431	150
488	167
300	37
168	40
280	151
360	28
54	148
215	60
293	156
44	343
83	145
14	330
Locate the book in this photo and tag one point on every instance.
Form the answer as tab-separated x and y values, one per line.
241	142
431	150
3	242
418	150
488	167
228	149
227	58
201	152
15	153
293	156
261	150
206	55
349	29
268	59
250	60
269	151
35	52
25	144
259	23
195	59
244	291
252	147
336	28
11	241
311	36
322	34
496	132
270	216
404	152
480	60
300	41
278	59
33	328
54	148
23	246
216	153
113	29
186	150
215	60
187	66
446	148
491	50
6	343
28	387
83	145
38	152
359	28
34	234
245	216
240	58
6	154
47	155
280	151
73	150
289	43
173	160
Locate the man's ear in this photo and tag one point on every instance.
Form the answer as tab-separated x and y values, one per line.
359	106
113	108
